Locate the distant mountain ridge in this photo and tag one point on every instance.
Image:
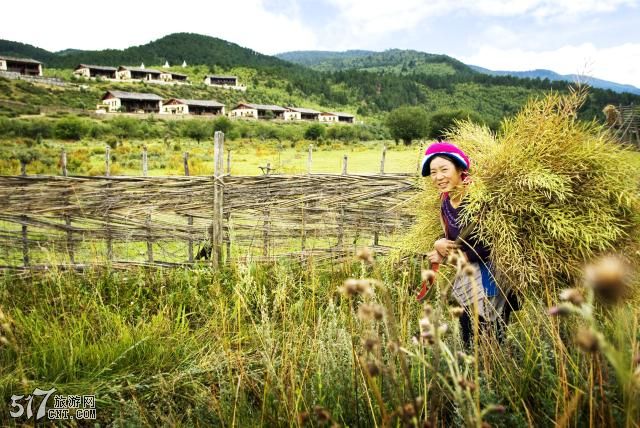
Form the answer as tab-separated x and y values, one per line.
408	61
552	75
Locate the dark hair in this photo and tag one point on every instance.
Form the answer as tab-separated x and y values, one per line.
452	159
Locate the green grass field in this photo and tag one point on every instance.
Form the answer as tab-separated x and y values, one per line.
87	157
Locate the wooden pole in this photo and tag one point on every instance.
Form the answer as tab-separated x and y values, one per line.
145	165
344	165
309	159
24	218
185	157
229	161
23	168
342	210
107	161
63	162
266	222
149	238
218	196
384	155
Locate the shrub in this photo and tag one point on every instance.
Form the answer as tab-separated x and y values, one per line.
407	123
315	132
71	128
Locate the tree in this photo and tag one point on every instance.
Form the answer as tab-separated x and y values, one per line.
223	124
443	120
197	129
407	123
314	132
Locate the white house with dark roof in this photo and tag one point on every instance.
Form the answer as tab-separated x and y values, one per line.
336	117
195	107
23	66
93	71
301	113
221	81
130	102
258	111
137	73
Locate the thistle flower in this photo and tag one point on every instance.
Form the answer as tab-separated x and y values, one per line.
609	278
427	310
365	312
424	323
378	312
572	295
587	340
322	415
456	311
468	270
373	369
560	310
365	254
370	344
428	275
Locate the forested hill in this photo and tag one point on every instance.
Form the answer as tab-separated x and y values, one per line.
362	82
175	48
394	60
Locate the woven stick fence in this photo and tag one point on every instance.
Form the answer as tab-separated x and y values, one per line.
170	221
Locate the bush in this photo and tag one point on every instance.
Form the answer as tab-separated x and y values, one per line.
223	124
315	132
71	128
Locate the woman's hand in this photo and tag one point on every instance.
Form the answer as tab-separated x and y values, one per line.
444	246
435	257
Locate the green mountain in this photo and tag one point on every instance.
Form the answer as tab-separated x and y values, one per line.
362	82
396	61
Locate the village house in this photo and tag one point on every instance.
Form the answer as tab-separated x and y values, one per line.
258	111
336	117
23	66
196	107
170	76
227	82
136	73
301	113
130	102
93	71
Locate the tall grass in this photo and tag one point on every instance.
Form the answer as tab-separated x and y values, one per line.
277	344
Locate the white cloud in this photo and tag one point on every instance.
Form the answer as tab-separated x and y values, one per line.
620	63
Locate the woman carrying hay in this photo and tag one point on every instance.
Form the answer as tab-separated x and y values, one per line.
476	288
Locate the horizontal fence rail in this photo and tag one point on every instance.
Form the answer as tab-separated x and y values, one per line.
175	221
50	220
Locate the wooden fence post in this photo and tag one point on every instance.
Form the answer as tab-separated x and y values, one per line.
185	157
342	210
23	168
145	165
63	162
107	161
309	159
229	162
24	218
218	199
384	155
266	216
227	216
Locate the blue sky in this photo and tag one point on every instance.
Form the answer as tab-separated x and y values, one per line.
598	38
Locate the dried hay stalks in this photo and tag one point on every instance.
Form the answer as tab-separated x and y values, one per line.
549	192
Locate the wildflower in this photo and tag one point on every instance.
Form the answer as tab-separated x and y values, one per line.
466	384
365	312
456	312
424	323
428	275
4	341
559	310
453	259
365	254
572	295
378	312
373	369
469	270
497	408
609	278
587	340
443	329
393	347
349	288
371	344
428	310
322	415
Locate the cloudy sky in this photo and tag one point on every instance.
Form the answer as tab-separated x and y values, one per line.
595	37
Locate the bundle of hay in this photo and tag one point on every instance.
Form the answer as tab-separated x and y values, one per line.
549	192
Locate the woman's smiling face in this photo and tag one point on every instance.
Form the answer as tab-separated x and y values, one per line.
444	174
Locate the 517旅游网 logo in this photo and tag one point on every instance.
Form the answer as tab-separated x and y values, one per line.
64	406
